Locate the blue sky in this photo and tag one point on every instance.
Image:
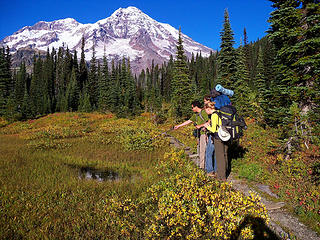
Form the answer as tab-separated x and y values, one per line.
201	20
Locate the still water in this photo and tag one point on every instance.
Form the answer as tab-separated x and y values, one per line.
98	175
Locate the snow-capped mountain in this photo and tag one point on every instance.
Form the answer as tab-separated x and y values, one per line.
127	32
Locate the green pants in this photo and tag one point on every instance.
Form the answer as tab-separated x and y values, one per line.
221	151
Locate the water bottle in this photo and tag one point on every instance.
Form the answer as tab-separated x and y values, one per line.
224	91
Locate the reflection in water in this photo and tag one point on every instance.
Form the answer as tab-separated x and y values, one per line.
98	175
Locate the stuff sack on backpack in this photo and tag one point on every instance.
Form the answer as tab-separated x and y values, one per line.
234	123
221	100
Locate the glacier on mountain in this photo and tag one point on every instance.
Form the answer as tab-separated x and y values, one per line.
128	32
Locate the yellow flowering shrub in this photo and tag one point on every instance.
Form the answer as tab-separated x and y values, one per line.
186	205
122	218
3	122
199	207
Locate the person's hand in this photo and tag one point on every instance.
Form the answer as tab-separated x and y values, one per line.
198	126
175	127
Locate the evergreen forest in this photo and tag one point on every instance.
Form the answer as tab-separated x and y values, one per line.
276	78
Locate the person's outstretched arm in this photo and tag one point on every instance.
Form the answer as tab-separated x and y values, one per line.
182	124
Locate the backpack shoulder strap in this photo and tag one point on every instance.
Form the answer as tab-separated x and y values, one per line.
200	115
219	117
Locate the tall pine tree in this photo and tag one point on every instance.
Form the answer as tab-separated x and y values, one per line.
92	88
104	87
181	84
295	34
227	55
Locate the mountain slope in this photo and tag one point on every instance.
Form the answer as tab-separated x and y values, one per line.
128	32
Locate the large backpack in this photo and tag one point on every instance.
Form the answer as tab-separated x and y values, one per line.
234	123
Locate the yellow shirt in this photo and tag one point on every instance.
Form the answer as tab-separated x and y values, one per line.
215	123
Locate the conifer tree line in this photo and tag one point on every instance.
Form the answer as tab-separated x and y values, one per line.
59	83
276	78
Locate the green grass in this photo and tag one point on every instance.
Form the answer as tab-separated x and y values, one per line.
250	171
42	196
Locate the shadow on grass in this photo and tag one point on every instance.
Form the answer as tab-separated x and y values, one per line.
259	227
315	176
235	151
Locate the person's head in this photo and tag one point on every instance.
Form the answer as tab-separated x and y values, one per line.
196	106
210	108
207	99
214	93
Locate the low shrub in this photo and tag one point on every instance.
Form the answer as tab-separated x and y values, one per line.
135	138
47	143
3	122
185	207
294	178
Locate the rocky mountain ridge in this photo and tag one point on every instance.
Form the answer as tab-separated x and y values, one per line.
128	33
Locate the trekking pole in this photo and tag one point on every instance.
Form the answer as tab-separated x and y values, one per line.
158	135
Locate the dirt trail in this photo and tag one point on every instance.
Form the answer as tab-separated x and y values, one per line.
284	224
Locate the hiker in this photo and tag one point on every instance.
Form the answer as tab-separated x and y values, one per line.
211	165
220	100
199	119
220	147
207	99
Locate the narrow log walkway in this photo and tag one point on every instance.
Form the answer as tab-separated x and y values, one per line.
284	224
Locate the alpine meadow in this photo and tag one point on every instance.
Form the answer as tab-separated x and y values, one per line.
102	137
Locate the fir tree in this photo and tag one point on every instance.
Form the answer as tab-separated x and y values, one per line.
68	66
167	79
92	88
26	108
284	23
114	92
212	70
148	92
295	35
5	79
123	83
83	71
37	86
140	86
72	93
243	95
131	92
20	85
260	79
48	80
52	89
248	54
227	55
10	82
181	84
104	85
84	103
260	87
59	79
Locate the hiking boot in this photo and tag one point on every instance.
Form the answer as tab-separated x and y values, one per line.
212	174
